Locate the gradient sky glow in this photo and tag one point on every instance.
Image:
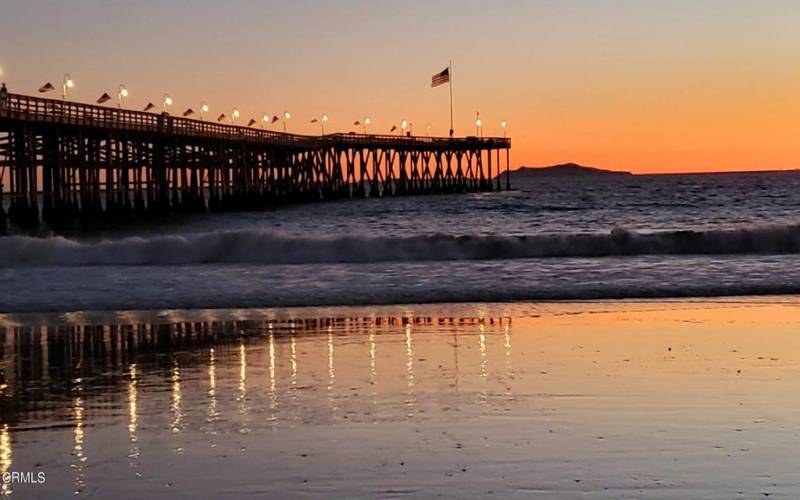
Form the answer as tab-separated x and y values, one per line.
637	85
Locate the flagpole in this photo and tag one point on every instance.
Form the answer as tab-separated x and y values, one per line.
450	86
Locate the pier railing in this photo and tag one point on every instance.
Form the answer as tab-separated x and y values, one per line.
43	110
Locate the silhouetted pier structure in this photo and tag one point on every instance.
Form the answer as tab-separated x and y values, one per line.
68	163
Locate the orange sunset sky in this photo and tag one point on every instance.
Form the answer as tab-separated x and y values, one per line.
669	86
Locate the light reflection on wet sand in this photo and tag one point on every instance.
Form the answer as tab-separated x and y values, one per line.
79	457
133	417
6	458
656	400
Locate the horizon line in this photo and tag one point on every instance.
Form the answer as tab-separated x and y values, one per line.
693	172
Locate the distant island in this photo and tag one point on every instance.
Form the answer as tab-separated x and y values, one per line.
565	170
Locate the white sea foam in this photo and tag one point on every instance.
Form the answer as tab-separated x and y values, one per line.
258	246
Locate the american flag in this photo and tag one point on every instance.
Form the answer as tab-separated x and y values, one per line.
441	77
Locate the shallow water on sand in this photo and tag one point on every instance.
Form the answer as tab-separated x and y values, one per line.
664	399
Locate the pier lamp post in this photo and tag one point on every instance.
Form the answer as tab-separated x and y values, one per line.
68	84
166	102
203	110
478	124
234	114
265	118
286	117
403	126
367	121
427	130
504	126
122	91
322	120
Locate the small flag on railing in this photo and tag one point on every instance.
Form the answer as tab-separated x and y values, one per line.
188	112
357	123
394	127
251	122
47	87
149	106
274	119
221	117
441	77
103	98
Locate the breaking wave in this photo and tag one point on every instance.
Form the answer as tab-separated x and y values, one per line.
258	246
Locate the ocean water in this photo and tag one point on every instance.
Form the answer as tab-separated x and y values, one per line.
547	239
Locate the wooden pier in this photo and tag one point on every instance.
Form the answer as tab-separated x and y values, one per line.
78	165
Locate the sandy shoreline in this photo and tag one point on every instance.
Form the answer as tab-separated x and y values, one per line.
439	309
617	399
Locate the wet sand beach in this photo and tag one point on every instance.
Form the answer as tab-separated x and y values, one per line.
655	399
